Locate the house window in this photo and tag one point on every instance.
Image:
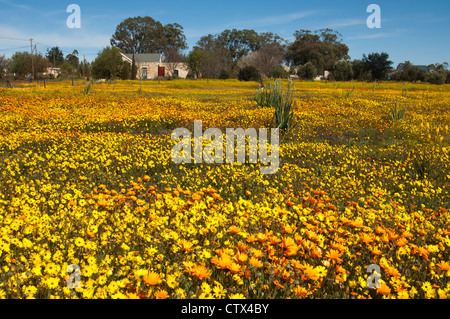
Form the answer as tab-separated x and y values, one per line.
144	73
175	73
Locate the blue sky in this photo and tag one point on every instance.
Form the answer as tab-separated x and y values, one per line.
417	31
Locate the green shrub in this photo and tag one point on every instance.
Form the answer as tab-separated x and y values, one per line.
278	72
224	75
436	77
307	71
126	69
283	103
87	89
249	73
396	113
343	71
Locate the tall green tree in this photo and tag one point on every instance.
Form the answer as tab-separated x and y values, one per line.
378	64
84	69
108	64
55	54
72	59
67	69
21	63
193	61
323	48
175	38
146	35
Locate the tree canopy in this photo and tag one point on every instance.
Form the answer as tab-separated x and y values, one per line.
239	43
264	60
55	54
378	64
343	70
146	35
323	48
21	63
73	59
108	64
208	63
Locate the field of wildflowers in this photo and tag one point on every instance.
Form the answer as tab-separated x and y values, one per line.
86	178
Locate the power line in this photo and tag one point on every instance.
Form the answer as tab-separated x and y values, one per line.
44	45
18	39
40	44
13	48
15	39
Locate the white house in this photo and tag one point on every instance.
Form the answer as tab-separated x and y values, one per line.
325	76
151	66
53	71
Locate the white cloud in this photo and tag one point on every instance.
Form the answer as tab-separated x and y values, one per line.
377	35
250	24
347	23
272	20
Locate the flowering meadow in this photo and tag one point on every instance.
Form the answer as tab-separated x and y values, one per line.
87	179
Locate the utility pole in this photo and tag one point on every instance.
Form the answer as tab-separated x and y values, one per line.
86	69
32	62
35	51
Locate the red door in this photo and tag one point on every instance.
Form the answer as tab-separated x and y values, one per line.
161	71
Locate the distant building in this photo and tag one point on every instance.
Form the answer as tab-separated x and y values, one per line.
151	66
422	67
325	76
55	72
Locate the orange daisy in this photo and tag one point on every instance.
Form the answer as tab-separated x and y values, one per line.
255	262
334	255
301	292
201	272
234	230
151	278
161	294
309	273
444	265
186	245
384	289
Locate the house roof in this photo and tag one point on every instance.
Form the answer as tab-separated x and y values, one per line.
145	57
422	67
